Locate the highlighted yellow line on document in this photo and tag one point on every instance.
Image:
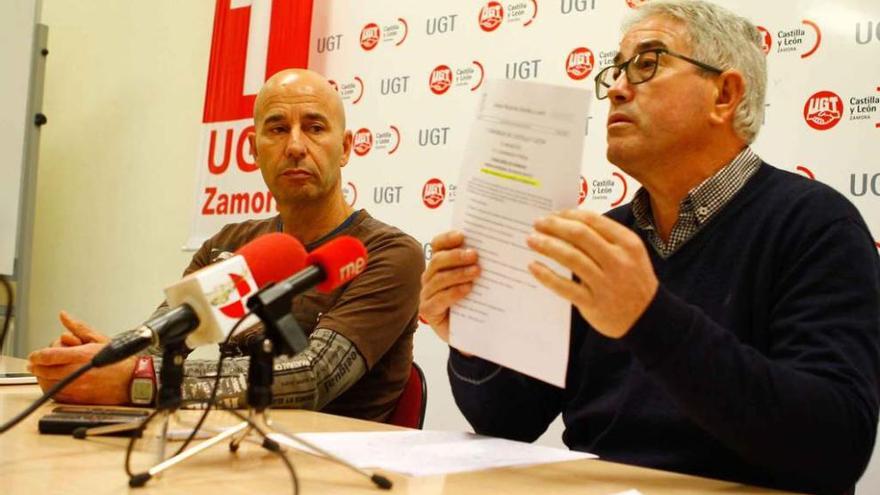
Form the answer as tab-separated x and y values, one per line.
516	177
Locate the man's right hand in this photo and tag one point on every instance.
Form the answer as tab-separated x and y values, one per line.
76	346
448	278
108	385
77	333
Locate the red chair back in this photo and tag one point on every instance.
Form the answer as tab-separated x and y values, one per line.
410	409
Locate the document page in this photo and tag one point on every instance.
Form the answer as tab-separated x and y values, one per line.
424	453
522	162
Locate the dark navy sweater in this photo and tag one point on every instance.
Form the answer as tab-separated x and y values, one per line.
758	360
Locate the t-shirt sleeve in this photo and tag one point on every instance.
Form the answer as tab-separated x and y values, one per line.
381	303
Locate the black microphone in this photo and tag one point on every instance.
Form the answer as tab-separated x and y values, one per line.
171	326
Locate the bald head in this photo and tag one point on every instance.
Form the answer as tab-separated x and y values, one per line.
300	142
302	85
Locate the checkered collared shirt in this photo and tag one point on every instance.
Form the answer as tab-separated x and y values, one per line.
700	204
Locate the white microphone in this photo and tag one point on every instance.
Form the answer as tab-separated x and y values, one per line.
208	303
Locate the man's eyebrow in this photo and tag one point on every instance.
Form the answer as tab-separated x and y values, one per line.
279	117
649	44
641	47
273	117
316	116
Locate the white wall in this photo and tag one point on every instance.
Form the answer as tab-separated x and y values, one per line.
123	94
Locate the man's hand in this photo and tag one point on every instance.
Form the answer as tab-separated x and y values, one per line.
77	333
449	277
107	386
617	281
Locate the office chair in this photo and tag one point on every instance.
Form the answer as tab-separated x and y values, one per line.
410	409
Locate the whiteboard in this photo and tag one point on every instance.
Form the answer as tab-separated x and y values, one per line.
17	37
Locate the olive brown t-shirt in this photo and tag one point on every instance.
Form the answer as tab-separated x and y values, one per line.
377	311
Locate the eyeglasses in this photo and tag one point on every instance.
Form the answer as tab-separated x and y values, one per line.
642	67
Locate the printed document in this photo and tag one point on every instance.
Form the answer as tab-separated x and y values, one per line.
522	162
424	453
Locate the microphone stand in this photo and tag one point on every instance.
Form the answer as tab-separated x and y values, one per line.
282	336
176	325
169	397
170	392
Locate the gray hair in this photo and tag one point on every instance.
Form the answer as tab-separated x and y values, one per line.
725	40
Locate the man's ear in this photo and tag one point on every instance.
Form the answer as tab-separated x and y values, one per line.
252	139
730	89
346	148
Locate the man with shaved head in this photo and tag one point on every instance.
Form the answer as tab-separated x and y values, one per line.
360	335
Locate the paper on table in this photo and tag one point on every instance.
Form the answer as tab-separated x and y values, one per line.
422	453
522	162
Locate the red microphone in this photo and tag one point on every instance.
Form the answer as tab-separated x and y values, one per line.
273	257
340	260
327	267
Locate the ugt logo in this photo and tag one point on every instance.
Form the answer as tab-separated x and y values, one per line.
363	142
823	110
370	36
579	63
252	40
441	79
491	16
433	193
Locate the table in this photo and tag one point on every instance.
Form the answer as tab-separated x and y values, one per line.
53	464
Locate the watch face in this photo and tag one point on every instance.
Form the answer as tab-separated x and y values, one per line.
142	391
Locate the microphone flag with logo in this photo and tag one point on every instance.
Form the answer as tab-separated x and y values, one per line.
207	303
218	293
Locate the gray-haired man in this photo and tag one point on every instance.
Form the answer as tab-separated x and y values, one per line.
728	318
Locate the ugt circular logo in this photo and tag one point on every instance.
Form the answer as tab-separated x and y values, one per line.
370	36
584	189
363	141
766	39
440	80
491	16
579	63
823	110
433	193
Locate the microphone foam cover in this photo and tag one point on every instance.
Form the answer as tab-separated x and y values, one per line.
273	257
342	259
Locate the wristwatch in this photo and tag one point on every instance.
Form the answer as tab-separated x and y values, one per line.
143	382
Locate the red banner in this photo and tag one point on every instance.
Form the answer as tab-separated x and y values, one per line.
252	39
288	46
